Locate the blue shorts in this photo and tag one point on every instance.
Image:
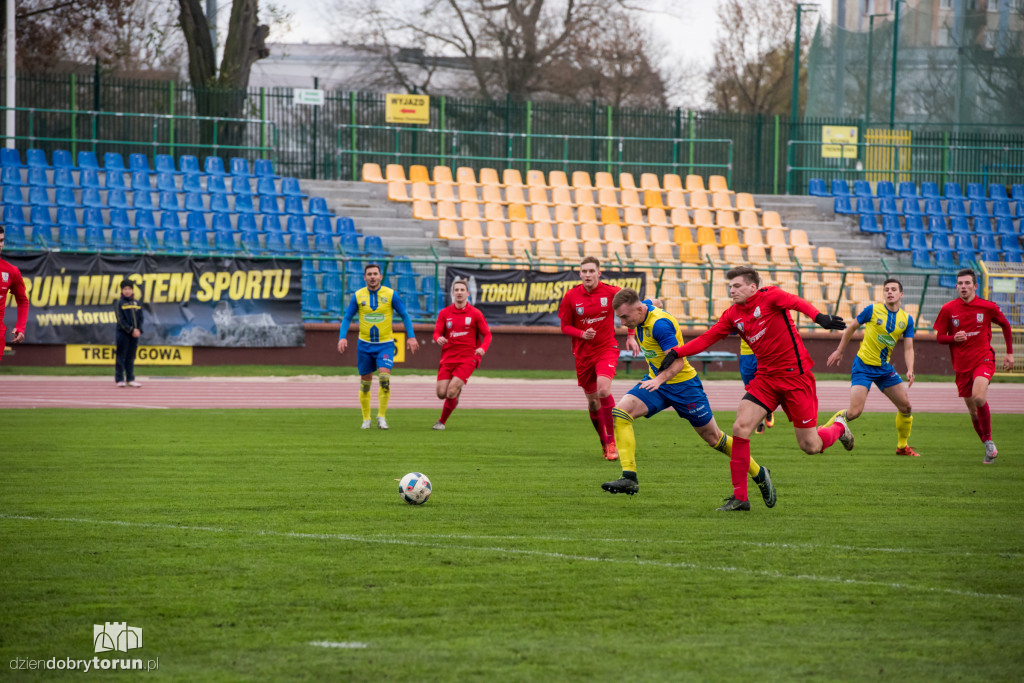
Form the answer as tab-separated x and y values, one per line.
882	376
688	399
748	368
371	356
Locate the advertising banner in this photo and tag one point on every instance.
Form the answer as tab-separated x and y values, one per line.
528	297
233	302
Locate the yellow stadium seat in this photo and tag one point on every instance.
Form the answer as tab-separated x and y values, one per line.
395	172
694	289
775	237
706	235
595	249
630	198
770	219
499	249
547	251
649	181
603	179
489	176
474	247
496	229
756	255
472	229
469	211
538	195
635	234
798	238
564	214
493	212
560	196
448	230
681	235
727	236
860	293
423	211
657	216
543	231
444	192
671	181
510	178
680	218
519	230
663	253
616	252
517	212
721	202
557	179
725	219
626	181
586	214
699	310
591	232
640	254
492	195
521	248
709	253
540	213
514	194
745	202
467	192
733	255
421	190
581	180
748	219
702	218
372	174
535	178
752	236
583	196
612	233
718	183
676	199
804	256
694	183
445	210
653	200
720	306
633	214
659	233
465	175
609	216
419	174
699	200
827	257
397	192
688	252
607	197
443	174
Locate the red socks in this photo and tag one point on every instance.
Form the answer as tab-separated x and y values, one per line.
983	425
449	406
595	419
739	464
829	435
605	419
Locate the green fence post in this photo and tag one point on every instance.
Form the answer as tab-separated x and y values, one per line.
924	291
608	152
263	120
529	131
775	182
690	129
675	143
352	121
74	117
170	94
789	165
729	178
945	157
441	127
316	125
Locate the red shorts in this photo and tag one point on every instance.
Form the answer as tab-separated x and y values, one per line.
458	367
797	394
965	380
592	367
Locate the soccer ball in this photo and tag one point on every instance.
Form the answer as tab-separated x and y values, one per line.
414	488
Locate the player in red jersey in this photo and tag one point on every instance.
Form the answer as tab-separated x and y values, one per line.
965	324
588	317
11	282
784	377
463	335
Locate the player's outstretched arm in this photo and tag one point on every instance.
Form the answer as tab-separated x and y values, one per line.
830	322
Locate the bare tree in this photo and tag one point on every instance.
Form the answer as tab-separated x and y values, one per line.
753	65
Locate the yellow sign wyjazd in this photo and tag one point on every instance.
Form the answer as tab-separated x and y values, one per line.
407	109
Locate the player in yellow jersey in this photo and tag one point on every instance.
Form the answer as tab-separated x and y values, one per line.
657	332
748	369
375	350
884	325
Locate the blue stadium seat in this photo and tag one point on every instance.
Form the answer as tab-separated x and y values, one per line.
174	241
187	163
349	245
894	242
345	224
997	191
42	235
374	247
869	225
324	244
192	182
1004	226
62	177
220	204
952	191
224	241
36	158
251	243
964	241
891	224
169	221
989	255
89	178
14	215
243	203
311	303
403	266
921	258
840	188
37	177
194	202
816	188
318	206
293	206
915	224
141	181
92	217
148	239
912	207
143	199
930	190
976	191
221	221
12	195
140	162
215	184
407	289
9	175
164	163
214	166
263	167
944	259
907	190
1003	208
62	159
940	240
296	224
862	188
958	225
93	238
70	237
169	201
241	185
65	196
271	223
15	238
91	197
88	160
246	222
165	182
268	205
114	180
979	208
266	185
322	225
144	219
121	238
119	218
887	205
987	241
299	242
39	215
840	205
327	266
67	216
865	205
334	303
112	161
240	167
10	156
918	240
983	226
1012	253
884	188
39	196
195	220
290	188
933	207
428	290
955	207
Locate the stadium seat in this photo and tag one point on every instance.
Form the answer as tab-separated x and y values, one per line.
324	244
865	205
996	191
39	196
318	206
862	188
267	186
914	224
138	162
144	219
976	191
70	238
219	203
1003	208
937	224
933	207
188	163
112	161
955	207
121	238
840	205
921	258
224	241
93	239
816	188
952	191
61	158
141	181
214	165
944	259
298	242
42	235
165	183
62	177
240	167
36	158
887	205
195	220
164	163
918	241
271	223
884	188
174	241
1004	226
169	201
907	190
169	221
983	226
268	205
250	242
65	196
12	195
840	188
290	188
894	242
243	203
88	160
940	240
37	177
10	156
263	167
322	225
979	207
987	241
930	190
238	185
11	176
1012	253
912	207
114	180
14	215
194	202
246	222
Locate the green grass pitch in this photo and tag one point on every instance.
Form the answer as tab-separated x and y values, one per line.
236	539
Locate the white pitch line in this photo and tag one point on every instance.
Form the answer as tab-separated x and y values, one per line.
330	643
519	551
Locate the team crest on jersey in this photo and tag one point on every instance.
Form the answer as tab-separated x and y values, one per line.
448	323
757	311
956	322
901	325
579	310
878	321
981	317
604	301
6	276
467	319
739	326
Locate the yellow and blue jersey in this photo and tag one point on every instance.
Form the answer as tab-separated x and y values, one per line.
745	349
882	330
376	309
658	334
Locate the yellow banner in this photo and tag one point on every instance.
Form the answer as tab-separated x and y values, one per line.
839	142
407	109
95	354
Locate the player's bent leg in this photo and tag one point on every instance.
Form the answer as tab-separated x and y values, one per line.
604	416
442	388
858	397
623	415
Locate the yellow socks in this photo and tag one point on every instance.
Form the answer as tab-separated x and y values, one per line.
724	445
364	397
383	394
625	440
903	425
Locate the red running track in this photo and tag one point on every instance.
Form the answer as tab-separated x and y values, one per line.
418	392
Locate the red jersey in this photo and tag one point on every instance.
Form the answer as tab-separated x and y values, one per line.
580	310
12	283
763	321
976	319
464	328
